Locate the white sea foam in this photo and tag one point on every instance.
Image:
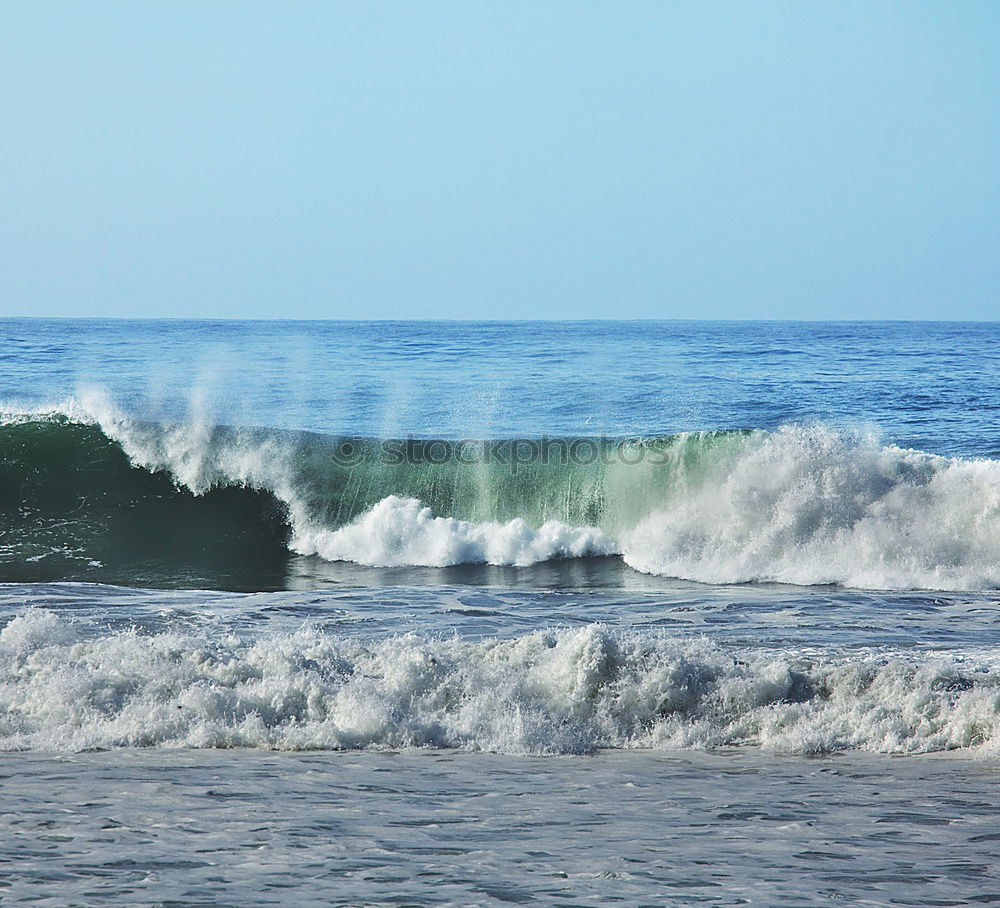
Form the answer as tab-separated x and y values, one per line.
400	531
809	505
71	685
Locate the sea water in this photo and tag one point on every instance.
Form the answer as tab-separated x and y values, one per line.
473	613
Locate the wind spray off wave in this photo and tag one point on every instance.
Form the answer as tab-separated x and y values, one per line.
801	504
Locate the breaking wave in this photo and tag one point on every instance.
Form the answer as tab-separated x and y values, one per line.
84	485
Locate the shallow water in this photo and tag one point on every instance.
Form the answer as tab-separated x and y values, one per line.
200	828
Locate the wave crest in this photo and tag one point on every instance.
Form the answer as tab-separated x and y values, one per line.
814	506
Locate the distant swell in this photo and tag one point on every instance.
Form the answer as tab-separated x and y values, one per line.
84	486
69	685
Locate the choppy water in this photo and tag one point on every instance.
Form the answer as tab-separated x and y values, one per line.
756	564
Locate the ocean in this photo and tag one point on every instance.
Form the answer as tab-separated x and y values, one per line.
563	613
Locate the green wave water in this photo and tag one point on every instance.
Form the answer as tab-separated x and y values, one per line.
90	494
74	504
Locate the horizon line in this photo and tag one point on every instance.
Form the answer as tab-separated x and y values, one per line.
481	321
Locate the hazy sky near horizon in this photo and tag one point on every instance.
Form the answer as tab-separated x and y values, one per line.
501	160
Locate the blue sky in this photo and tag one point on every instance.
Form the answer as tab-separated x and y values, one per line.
501	160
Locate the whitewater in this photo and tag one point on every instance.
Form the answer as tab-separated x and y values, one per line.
65	686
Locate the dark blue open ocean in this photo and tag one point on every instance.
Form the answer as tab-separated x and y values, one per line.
477	613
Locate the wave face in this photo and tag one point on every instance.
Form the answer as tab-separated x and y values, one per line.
71	504
69	685
85	486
